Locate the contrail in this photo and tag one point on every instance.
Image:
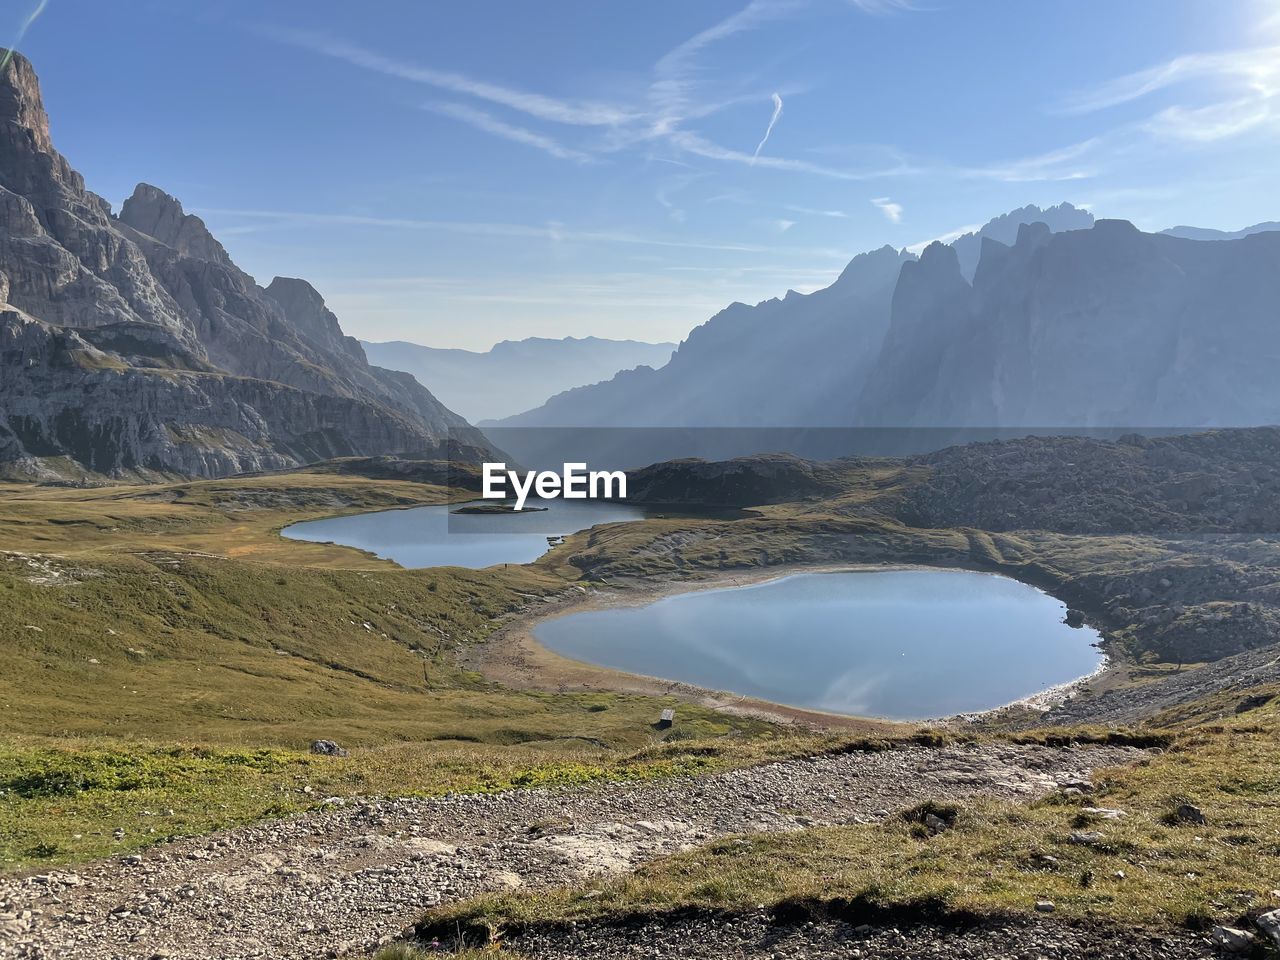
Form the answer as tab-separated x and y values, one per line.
22	32
777	112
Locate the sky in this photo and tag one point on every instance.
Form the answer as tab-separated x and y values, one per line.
458	173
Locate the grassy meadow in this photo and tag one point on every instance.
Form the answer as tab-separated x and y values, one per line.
167	650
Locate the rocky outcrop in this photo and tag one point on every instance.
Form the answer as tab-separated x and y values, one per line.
134	345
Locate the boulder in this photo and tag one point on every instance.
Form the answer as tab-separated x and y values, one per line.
1269	924
1233	940
1189	814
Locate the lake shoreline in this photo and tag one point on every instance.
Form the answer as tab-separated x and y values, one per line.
513	656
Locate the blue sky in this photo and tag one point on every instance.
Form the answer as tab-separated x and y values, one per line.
460	173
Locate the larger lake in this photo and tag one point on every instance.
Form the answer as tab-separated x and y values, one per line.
899	644
440	536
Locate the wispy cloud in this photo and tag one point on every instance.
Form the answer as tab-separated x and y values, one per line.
22	32
810	211
678	69
552	230
881	6
668	188
782	226
777	112
1217	121
1258	69
1059	164
670	105
892	211
700	146
576	113
507	131
1234	91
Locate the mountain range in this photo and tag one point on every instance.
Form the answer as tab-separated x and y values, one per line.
513	375
797	361
131	344
1043	318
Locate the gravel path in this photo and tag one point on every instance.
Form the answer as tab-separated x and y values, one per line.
348	877
754	936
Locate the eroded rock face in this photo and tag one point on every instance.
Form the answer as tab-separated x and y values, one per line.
1101	327
135	344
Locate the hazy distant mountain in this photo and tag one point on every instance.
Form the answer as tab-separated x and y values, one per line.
514	375
798	361
1104	327
1004	229
780	362
133	345
1204	233
1101	327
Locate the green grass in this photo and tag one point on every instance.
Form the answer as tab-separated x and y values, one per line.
166	649
64	804
998	859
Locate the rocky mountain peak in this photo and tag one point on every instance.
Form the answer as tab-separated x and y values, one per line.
29	165
20	102
939	258
132	345
305	309
151	211
1031	234
871	263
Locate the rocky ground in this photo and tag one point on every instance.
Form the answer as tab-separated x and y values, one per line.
756	935
347	877
1242	674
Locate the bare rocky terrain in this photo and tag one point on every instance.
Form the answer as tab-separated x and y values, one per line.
348	877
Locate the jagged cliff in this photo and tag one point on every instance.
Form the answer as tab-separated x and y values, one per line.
1102	327
133	345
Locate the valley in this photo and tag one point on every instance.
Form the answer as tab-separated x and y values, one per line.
118	746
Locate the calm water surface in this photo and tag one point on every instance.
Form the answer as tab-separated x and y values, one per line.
901	644
437	537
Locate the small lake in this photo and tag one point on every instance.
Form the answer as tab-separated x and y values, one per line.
898	644
439	536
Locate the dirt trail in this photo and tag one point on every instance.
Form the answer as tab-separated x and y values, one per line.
348	877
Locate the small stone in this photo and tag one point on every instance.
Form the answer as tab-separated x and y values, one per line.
1187	813
1086	838
1045	906
327	748
1105	813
